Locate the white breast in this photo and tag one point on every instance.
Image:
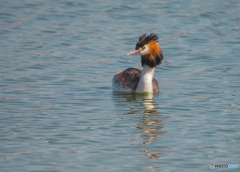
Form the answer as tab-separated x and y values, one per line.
145	83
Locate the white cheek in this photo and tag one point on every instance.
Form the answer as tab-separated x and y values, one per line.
145	51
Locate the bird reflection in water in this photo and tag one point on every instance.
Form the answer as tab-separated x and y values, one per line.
151	122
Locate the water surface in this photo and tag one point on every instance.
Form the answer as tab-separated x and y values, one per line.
59	113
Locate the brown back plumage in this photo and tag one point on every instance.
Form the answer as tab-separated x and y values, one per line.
129	78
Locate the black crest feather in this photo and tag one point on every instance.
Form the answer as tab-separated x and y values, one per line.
145	39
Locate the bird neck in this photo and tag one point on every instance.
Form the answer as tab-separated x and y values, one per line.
145	82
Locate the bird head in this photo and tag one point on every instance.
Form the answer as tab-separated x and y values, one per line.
150	51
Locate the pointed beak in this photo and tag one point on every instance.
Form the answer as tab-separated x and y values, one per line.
133	52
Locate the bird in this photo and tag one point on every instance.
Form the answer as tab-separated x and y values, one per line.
135	80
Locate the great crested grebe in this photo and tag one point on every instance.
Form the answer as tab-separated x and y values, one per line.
135	80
